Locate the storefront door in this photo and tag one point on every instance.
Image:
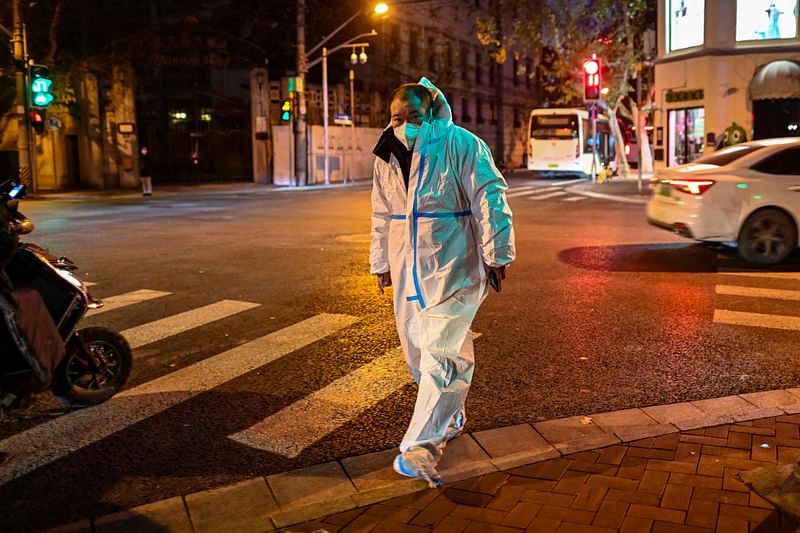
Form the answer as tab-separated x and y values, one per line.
686	130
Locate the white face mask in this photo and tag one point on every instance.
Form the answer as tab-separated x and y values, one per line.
407	134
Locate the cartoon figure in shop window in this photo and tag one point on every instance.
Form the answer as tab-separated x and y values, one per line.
773	13
681	11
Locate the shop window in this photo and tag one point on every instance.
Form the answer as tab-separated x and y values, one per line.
686	23
758	20
786	163
685	136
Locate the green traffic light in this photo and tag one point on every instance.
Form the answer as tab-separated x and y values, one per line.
42	99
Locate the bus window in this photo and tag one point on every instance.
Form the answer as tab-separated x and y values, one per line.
554	127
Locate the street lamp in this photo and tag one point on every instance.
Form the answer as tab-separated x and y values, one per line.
380	9
362	58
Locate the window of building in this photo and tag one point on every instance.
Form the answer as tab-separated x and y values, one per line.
448	56
517	118
478	71
492	72
686	130
394	42
479	111
528	66
515	73
465	110
413	50
492	113
758	20
464	62
431	51
686	23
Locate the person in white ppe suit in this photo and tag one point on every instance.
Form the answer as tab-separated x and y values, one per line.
441	230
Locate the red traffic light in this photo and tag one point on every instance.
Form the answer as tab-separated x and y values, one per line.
37	121
591	79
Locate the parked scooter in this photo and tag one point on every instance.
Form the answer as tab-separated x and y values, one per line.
96	362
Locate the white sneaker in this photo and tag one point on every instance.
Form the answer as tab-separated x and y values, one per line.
417	463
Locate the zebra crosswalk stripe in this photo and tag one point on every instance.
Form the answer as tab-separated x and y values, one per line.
289	431
758	292
173	325
757	274
129	298
758	320
548	196
49	441
574	199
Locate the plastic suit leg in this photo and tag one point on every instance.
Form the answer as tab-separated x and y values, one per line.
407	319
446	366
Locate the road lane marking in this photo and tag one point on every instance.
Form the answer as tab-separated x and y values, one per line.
757	274
129	298
568	182
758	292
516	192
289	431
574	199
549	195
182	322
47	442
758	320
293	429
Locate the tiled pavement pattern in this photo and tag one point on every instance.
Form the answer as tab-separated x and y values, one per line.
679	482
656	467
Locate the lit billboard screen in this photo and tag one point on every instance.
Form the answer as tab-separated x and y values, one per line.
758	20
686	23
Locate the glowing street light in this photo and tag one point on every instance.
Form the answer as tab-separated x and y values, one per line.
381	8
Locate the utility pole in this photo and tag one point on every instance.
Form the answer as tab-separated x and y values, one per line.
300	129
21	108
640	124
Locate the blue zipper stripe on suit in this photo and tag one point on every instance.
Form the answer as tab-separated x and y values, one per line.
416	224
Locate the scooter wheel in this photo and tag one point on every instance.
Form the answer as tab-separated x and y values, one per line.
90	379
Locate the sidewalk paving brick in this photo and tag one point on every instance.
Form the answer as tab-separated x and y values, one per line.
655	469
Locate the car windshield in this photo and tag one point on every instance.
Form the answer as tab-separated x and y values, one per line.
728	155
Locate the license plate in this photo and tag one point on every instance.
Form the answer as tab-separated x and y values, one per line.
552	165
665	190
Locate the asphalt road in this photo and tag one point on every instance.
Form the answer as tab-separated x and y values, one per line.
600	312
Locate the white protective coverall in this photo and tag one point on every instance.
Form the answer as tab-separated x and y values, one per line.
434	238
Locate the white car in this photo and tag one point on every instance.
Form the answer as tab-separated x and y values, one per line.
747	194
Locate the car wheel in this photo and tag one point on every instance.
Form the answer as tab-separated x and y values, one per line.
767	237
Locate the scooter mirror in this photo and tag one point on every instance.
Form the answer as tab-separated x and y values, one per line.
21	224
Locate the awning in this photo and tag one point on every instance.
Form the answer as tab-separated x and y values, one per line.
779	79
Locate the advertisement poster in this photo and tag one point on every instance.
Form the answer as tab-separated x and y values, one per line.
686	23
758	20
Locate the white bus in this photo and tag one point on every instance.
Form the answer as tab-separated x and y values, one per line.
560	142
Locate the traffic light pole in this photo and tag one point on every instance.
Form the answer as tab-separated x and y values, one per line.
300	129
21	105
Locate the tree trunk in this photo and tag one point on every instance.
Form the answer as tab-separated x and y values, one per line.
619	143
646	160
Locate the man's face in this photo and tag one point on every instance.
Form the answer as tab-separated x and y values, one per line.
408	109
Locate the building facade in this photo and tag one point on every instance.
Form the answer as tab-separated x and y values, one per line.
727	71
